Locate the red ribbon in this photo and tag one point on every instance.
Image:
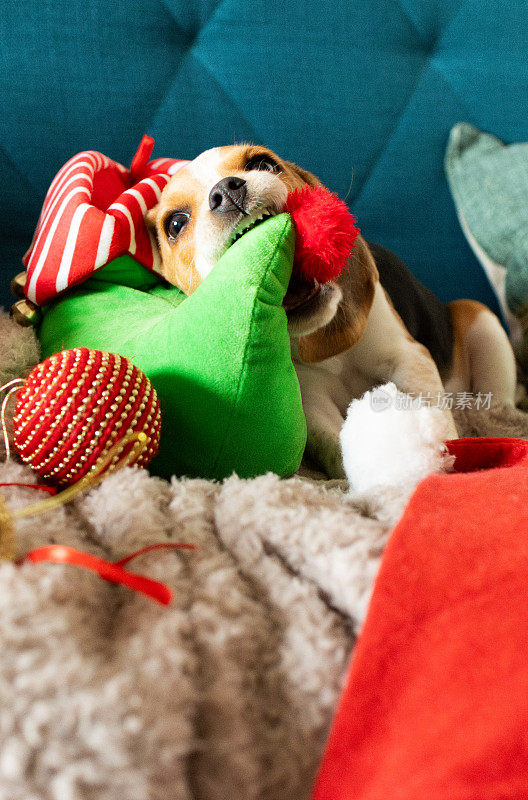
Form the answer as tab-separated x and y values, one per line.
141	158
109	571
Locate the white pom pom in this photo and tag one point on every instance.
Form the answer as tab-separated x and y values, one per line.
388	439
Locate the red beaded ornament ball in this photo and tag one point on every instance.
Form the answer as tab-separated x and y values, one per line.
76	405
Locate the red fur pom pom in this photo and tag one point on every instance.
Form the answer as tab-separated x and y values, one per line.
325	232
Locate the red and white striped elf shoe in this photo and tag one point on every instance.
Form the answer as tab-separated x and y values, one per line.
94	212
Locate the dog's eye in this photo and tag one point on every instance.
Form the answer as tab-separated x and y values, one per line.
175	223
262	163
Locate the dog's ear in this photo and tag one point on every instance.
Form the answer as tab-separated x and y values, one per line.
358	284
305	176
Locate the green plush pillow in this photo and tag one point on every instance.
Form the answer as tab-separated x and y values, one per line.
219	359
489	183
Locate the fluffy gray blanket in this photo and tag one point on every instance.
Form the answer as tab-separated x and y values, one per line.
227	693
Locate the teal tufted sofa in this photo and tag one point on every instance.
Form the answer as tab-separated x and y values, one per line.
361	92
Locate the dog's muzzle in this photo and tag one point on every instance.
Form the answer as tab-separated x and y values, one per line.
229	195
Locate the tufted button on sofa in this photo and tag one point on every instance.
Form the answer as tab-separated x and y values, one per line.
361	92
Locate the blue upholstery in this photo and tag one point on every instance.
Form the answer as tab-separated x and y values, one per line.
367	89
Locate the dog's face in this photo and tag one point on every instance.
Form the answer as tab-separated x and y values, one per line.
212	201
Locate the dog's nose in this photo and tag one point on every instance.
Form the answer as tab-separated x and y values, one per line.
228	194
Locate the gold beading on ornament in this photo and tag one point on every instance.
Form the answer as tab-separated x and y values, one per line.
45	396
76	419
57	419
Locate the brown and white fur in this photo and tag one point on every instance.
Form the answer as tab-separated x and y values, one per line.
346	336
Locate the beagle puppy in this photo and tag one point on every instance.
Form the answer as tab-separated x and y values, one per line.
376	323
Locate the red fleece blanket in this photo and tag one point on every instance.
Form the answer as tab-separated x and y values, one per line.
435	705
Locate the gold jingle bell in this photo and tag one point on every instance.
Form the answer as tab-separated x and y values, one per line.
23	311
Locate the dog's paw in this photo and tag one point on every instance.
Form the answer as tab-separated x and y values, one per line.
388	439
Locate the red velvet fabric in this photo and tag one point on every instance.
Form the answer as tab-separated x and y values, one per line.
435	705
